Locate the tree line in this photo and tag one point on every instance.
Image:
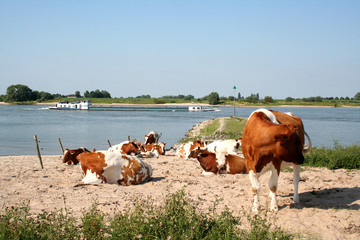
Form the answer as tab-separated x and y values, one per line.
22	93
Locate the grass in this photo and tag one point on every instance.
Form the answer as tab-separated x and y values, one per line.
177	218
339	156
233	129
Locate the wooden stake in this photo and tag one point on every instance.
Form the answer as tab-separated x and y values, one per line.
129	138
109	143
38	151
62	148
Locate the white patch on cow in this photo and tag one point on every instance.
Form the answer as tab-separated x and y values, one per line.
273	184
220	159
229	146
205	173
269	114
91	178
114	164
254	180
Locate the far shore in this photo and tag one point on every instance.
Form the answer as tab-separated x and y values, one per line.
198	104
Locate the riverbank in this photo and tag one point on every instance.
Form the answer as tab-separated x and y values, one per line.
329	208
206	104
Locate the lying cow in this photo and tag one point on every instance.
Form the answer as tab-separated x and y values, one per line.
154	149
223	163
69	156
185	149
126	147
224	146
113	167
152	137
272	140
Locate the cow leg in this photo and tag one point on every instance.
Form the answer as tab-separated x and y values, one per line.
296	180
255	189
273	184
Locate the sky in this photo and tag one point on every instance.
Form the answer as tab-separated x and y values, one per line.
190	47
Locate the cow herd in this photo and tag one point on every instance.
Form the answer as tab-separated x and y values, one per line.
271	140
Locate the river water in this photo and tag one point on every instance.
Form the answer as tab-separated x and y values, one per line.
93	129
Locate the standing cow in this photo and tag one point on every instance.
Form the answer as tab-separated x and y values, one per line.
271	140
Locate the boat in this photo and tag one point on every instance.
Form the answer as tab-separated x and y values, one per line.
66	105
87	105
201	109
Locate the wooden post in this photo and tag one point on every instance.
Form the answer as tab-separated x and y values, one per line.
38	151
62	148
109	143
129	138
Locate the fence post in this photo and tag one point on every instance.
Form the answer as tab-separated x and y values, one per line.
129	138
38	151
62	148
109	143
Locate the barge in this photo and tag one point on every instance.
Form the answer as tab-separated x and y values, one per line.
87	105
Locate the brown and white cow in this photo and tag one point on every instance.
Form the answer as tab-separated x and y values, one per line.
154	149
229	146
271	140
152	137
221	163
69	155
126	147
113	167
185	149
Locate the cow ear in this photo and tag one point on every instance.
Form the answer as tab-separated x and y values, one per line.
281	138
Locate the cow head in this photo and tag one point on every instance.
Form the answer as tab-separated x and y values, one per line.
206	159
69	156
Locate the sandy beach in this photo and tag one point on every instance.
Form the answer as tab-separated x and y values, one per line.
329	208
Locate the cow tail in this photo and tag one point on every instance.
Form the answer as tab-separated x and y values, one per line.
307	147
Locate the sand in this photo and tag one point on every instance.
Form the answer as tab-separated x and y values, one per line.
329	208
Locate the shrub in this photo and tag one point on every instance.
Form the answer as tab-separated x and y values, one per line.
177	218
347	157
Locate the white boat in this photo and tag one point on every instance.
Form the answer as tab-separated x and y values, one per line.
66	105
201	109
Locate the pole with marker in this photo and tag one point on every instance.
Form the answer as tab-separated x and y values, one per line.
234	99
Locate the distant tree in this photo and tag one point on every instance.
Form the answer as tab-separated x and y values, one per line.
357	96
239	96
214	98
289	99
105	94
97	94
43	96
253	98
189	97
144	96
268	99
19	93
231	98
77	94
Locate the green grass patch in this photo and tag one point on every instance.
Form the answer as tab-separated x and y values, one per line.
234	127
176	218
339	156
210	129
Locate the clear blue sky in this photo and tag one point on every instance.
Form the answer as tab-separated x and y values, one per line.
130	48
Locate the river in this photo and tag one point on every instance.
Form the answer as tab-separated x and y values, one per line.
93	129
